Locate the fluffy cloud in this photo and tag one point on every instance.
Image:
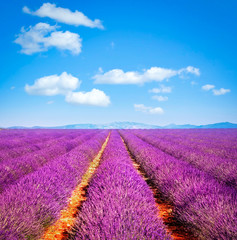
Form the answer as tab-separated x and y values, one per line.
215	92
64	15
208	87
64	41
160	98
53	85
150	110
191	70
162	89
118	76
95	98
220	91
65	84
42	36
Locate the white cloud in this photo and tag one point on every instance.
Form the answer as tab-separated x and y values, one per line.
159	74
150	110
216	92
32	39
64	15
42	36
157	110
208	87
53	85
64	41
160	98
95	98
65	84
162	89
192	70
220	91
118	76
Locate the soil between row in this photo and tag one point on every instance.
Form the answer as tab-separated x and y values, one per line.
63	226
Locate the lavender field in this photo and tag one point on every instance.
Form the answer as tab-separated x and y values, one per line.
118	184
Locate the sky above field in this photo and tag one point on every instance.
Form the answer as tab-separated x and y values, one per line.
155	62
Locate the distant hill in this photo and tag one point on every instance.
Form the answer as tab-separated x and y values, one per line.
219	125
132	125
214	125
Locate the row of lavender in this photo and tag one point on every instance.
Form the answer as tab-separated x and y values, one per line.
12	170
19	142
20	137
201	153
209	207
119	203
221	142
35	200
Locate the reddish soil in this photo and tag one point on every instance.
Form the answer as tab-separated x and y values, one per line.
64	224
174	227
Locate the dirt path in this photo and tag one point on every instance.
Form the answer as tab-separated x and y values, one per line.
165	208
60	229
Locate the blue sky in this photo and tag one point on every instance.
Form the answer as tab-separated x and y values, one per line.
156	62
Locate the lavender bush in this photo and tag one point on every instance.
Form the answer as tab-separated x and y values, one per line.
28	207
194	169
223	169
10	152
119	203
219	142
209	207
16	138
12	170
